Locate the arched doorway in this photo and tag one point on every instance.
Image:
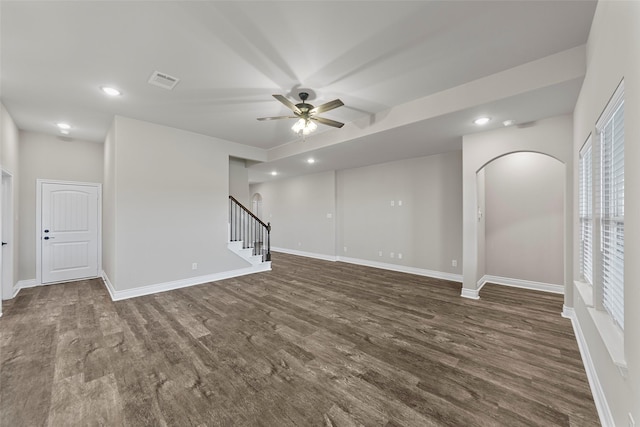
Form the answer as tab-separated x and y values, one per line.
521	221
551	137
256	204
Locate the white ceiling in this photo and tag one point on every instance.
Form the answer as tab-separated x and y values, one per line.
232	56
422	138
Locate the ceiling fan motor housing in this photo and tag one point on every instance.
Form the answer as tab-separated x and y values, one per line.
303	106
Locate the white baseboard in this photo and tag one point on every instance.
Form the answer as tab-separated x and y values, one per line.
304	254
403	269
108	285
470	293
32	283
604	412
117	295
23	284
519	283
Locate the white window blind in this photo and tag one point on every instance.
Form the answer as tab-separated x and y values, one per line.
612	208
586	212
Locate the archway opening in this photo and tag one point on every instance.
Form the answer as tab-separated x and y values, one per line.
521	220
256	205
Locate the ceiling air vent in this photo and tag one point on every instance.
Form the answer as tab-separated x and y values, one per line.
163	80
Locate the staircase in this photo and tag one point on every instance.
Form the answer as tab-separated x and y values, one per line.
249	236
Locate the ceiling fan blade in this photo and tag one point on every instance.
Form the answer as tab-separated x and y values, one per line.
290	105
327	106
276	118
327	122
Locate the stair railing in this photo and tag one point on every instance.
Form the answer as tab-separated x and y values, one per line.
248	228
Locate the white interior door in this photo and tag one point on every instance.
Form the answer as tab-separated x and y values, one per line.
69	232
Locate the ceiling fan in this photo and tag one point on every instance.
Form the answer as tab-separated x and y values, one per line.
306	113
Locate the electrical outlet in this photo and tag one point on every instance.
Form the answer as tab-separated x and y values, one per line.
393	203
454	263
379	253
392	255
399	202
194	266
345	249
399	255
329	215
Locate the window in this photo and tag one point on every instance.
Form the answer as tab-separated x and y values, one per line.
586	212
610	128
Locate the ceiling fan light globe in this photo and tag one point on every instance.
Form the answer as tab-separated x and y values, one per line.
310	127
304	126
298	126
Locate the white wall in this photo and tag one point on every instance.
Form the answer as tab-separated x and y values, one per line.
49	157
239	181
109	204
612	54
426	229
297	209
551	136
9	151
524	216
170	201
482	221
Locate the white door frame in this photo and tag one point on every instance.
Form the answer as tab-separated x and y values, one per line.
6	232
39	183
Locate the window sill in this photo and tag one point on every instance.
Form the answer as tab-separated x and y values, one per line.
585	291
609	332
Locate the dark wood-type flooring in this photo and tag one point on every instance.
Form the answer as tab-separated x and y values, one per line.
312	343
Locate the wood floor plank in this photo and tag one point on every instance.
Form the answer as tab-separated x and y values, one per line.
26	375
90	403
311	343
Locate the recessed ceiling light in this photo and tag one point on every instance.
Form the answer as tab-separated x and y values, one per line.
509	123
65	126
111	91
482	121
311	160
274	173
64	131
